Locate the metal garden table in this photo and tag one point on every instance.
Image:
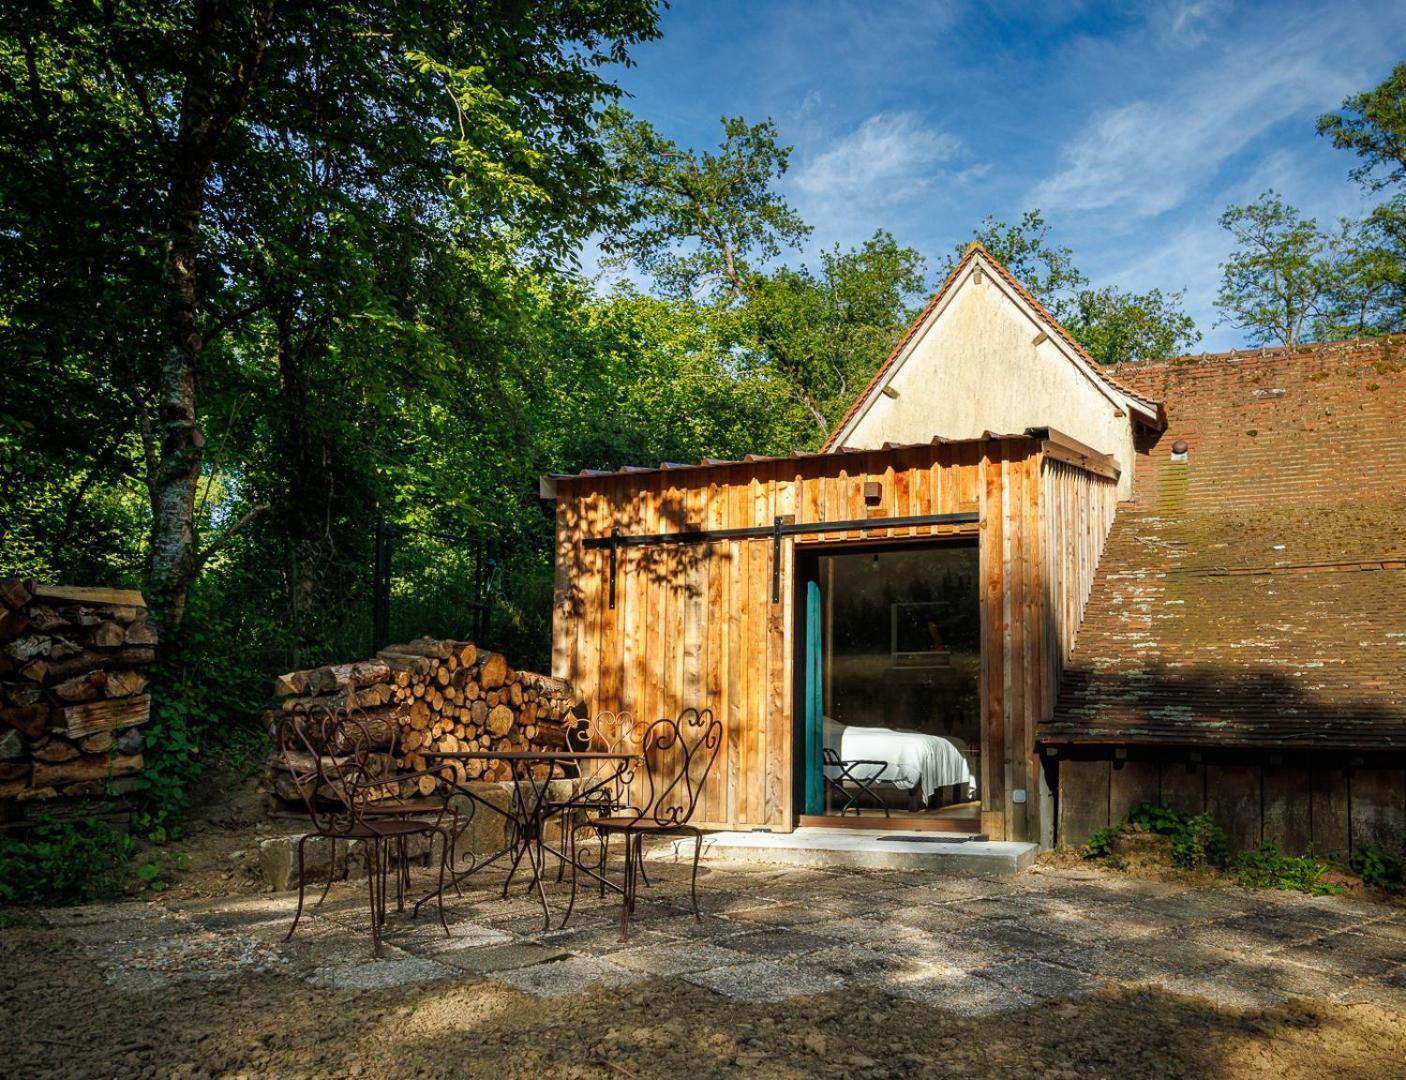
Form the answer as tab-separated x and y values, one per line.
533	772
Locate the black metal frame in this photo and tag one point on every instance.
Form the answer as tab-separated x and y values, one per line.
832	760
487	573
780	527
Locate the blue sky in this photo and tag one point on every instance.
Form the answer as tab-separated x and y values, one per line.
1130	126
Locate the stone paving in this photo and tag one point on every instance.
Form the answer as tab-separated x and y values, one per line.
972	945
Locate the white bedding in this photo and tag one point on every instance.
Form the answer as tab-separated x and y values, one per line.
913	759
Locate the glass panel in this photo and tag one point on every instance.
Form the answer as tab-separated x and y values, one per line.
902	655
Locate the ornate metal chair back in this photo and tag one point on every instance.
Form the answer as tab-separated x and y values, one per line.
324	752
678	755
606	732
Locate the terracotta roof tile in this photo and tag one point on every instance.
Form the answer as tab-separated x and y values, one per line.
1255	594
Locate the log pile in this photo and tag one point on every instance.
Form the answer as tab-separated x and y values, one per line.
73	680
429	695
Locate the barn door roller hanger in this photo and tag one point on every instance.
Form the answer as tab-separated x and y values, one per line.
780	527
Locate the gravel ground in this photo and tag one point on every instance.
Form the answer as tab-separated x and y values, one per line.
792	973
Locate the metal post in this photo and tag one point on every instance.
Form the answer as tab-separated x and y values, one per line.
776	561
381	587
614	544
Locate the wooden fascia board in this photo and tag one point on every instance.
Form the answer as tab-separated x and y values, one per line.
1061	447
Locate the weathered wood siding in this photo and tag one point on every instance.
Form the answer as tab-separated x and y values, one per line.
1327	803
694	625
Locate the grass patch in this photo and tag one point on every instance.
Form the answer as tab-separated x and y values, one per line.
1269	868
65	862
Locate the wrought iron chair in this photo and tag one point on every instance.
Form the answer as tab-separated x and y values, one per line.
337	790
602	788
838	772
678	755
360	736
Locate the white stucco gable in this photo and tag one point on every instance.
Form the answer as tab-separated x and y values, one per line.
985	356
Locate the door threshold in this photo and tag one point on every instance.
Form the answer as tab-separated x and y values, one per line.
898	823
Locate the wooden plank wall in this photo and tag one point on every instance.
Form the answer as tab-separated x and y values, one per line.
1076	509
694	625
1317	803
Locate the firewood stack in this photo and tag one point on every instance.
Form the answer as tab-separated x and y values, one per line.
72	694
432	695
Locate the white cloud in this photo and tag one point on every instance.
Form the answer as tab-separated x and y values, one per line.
1189	24
888	158
1148	156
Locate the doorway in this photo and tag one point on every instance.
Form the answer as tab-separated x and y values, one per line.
889	672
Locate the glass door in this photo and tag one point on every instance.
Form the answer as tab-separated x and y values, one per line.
891	693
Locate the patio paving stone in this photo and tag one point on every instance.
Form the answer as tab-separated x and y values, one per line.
766	980
676	957
961	993
1039	979
778	941
568	976
484	959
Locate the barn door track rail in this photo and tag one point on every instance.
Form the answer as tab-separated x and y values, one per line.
779	528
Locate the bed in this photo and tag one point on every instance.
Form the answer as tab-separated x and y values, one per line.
916	762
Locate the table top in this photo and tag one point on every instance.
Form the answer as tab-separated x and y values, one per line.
532	755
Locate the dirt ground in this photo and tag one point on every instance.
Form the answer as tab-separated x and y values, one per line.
64	1020
72	1012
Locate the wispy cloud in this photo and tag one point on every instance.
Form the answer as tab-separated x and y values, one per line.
1147	157
888	158
1190	24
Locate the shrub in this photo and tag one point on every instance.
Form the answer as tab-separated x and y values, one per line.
1267	868
1100	844
1379	868
64	862
1196	839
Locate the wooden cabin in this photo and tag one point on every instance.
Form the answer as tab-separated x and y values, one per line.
1181	585
701	586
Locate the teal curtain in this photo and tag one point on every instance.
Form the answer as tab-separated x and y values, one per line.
815	704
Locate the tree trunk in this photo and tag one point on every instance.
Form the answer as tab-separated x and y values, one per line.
207	111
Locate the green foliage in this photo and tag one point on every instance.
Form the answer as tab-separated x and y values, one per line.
1100	842
1372	124
1024	248
1281	274
64	862
1268	868
1382	869
1196	840
1115	326
701	222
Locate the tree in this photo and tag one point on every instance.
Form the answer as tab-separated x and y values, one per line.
701	224
825	331
1372	124
708	227
1368	284
1115	326
1111	324
186	145
1046	270
1281	275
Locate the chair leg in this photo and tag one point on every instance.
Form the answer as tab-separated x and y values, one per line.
331	869
627	894
693	886
439	892
299	913
373	876
604	845
639	853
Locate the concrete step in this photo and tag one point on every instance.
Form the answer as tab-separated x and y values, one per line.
882	849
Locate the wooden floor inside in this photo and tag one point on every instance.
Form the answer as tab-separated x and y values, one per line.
954	818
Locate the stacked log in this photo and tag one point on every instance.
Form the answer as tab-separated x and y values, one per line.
73	680
432	695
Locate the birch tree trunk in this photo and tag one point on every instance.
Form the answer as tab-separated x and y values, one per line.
207	111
